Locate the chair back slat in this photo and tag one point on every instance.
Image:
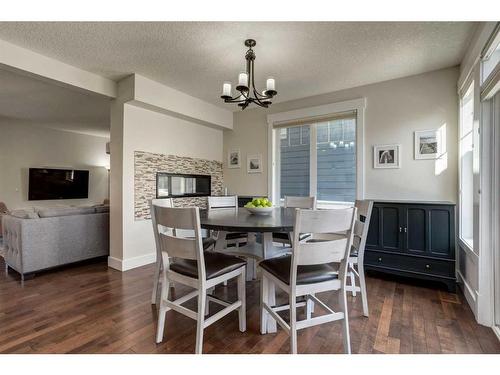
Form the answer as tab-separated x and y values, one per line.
176	218
325	221
300	202
179	247
331	238
230	201
321	252
361	226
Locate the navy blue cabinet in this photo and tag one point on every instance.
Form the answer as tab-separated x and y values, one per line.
415	239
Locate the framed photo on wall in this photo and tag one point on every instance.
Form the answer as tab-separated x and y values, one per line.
430	144
254	163
387	156
234	159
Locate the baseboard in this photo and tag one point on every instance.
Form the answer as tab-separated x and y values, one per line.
130	263
496	329
469	293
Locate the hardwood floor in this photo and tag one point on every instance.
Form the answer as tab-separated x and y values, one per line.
93	309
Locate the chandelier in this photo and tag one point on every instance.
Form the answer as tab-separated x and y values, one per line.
247	92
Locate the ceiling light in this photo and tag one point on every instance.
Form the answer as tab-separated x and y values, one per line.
246	85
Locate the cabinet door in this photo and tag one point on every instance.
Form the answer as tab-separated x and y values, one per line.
441	231
415	229
373	238
391	227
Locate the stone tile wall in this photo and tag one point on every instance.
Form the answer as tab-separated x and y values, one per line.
147	164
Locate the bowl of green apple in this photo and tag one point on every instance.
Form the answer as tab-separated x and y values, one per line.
260	206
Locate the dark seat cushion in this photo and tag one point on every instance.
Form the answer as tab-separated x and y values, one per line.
235	235
280	267
216	264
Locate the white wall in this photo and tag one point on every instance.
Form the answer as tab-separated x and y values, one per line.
394	110
146	130
25	146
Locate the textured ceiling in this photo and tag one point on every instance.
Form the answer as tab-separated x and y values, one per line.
306	58
25	100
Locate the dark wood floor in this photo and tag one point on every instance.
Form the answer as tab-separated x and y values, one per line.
93	309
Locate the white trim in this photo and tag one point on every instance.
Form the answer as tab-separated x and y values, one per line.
469	293
358	105
496	331
130	263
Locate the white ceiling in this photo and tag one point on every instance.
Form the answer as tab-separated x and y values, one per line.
25	100
306	58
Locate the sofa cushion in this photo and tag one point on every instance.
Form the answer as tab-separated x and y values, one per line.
24	214
68	211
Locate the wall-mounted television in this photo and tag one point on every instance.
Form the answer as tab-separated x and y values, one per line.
182	185
45	184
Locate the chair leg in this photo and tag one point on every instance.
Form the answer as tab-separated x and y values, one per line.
353	282
224	283
162	313
156	281
271	323
345	321
242	311
293	324
362	284
264	299
202	300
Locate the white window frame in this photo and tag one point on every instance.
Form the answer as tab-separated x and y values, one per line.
357	105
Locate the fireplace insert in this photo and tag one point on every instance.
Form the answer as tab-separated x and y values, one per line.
175	185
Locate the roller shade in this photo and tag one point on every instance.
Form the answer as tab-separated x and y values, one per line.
315	119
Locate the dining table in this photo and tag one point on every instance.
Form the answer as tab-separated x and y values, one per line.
260	229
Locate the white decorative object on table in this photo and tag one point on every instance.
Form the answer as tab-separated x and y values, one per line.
387	156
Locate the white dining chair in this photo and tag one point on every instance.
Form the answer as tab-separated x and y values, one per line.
164	202
294	202
185	262
357	256
316	265
208	243
227	202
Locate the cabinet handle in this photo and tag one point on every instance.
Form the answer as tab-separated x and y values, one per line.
428	266
379	259
400	230
406	229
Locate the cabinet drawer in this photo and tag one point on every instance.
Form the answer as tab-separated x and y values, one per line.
427	266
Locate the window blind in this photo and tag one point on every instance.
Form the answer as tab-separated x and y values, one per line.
315	119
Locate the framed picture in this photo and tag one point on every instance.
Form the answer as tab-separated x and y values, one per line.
387	156
254	163
429	144
233	159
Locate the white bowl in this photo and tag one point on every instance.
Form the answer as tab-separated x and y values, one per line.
260	210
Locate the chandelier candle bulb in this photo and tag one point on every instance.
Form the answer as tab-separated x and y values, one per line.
226	89
271	84
243	79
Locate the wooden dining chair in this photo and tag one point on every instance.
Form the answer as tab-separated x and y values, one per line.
294	202
357	256
208	243
227	202
315	265
185	262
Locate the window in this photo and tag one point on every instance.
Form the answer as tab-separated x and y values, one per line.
466	167
318	159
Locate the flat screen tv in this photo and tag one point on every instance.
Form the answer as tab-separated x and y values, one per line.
47	184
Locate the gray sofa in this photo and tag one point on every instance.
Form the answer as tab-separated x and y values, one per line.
39	240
